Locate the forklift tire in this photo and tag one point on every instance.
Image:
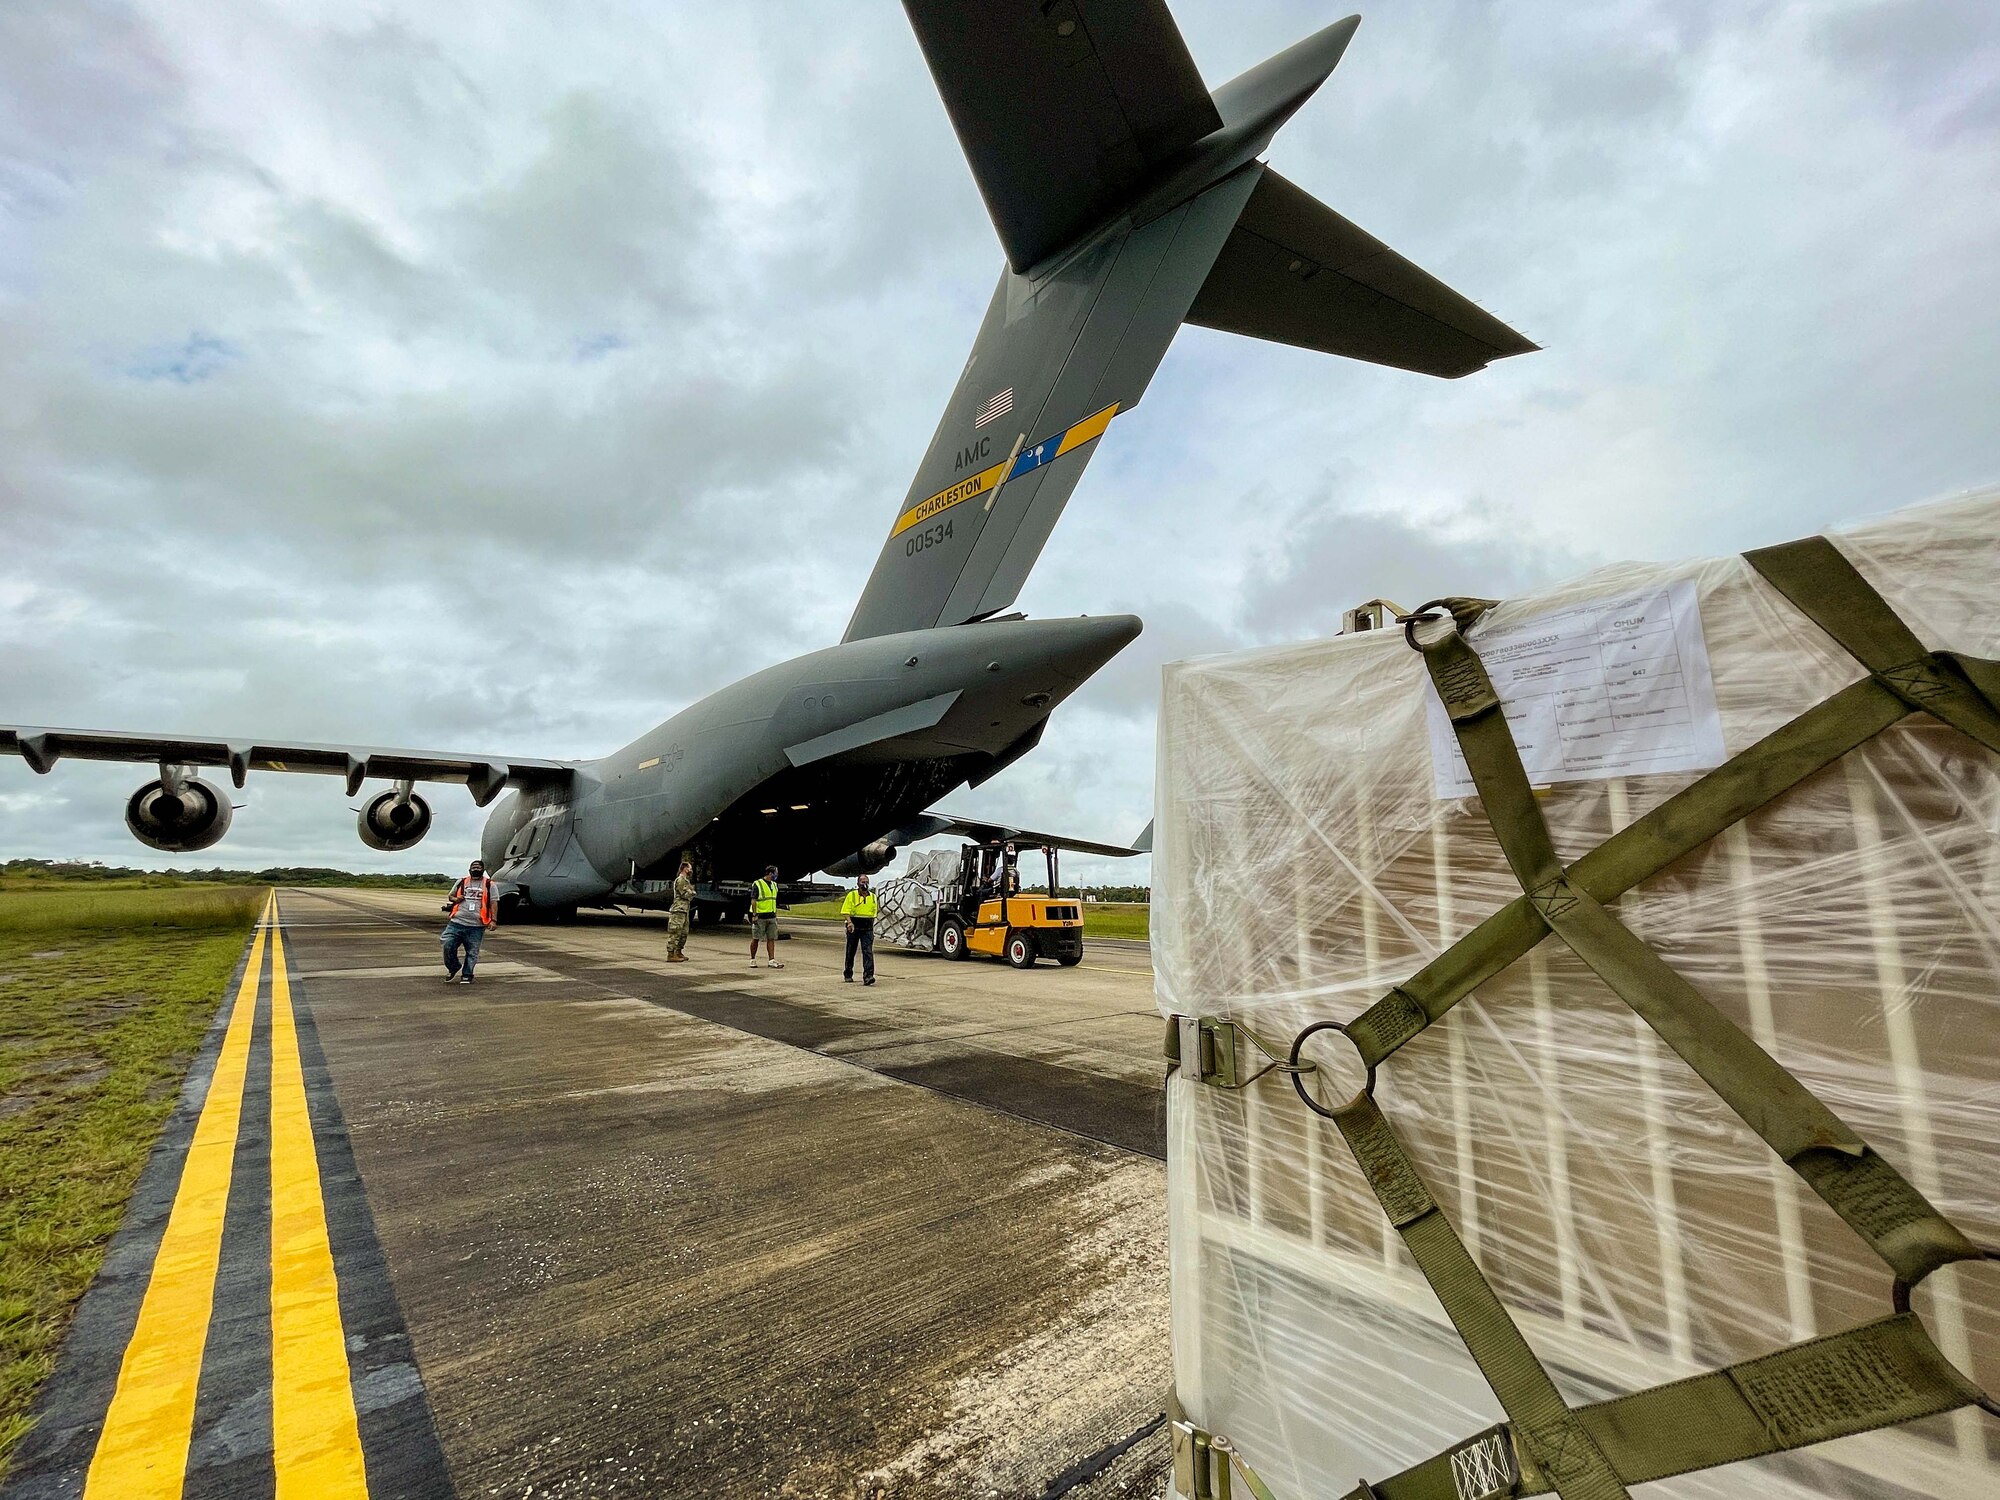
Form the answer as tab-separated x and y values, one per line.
951	939
1070	960
1020	950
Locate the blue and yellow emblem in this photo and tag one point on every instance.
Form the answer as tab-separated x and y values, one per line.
1047	451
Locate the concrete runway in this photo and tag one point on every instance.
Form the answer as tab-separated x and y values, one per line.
606	1226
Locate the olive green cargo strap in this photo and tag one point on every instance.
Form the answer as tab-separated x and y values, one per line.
1204	1461
1876	1201
1960	690
1825	587
1982	674
1546	1429
1876	1375
1677	827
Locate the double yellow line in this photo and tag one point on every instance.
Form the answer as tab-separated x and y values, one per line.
142	1452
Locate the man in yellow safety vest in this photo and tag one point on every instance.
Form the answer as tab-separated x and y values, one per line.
858	908
764	918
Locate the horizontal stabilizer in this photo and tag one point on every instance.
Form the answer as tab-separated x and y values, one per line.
1063	108
1295	272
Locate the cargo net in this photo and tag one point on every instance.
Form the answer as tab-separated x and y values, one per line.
1698	1184
906	908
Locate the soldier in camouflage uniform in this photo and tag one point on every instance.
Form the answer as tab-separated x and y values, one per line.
679	913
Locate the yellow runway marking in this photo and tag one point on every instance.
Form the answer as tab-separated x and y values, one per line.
143	1448
316	1436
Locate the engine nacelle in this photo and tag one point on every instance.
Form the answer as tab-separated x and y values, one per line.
394	819
864	861
178	814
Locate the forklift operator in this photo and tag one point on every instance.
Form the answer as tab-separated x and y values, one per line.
857	908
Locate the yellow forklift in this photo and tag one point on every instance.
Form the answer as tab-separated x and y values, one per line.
985	911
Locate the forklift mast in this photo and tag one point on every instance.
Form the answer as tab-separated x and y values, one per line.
995	868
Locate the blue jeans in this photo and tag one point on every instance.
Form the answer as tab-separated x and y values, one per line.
459	935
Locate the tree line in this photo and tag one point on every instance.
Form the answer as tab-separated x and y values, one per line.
65	869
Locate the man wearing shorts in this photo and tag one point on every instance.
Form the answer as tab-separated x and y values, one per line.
764	918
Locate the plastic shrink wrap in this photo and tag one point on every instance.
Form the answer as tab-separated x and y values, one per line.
907	904
1635	1227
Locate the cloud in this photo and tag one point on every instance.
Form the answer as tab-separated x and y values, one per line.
505	383
197	357
1335	561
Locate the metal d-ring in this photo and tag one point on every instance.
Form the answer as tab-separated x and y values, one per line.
1298	1073
1423	614
1899	1296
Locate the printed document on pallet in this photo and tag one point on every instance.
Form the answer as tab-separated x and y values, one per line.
1617	686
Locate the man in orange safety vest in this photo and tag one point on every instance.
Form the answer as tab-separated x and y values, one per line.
471	908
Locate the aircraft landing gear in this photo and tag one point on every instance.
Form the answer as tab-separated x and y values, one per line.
517	912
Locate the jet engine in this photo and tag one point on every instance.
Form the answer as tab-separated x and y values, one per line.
864	861
178	813
395	819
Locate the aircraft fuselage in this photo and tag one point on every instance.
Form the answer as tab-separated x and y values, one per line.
802	764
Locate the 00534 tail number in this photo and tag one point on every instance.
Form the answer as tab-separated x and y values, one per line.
930	536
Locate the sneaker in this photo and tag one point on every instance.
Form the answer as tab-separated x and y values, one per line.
867	981
847	979
451	979
465	979
774	964
753	963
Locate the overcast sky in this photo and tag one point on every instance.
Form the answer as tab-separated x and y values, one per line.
504	377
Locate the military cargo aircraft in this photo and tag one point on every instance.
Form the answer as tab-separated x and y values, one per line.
1129	200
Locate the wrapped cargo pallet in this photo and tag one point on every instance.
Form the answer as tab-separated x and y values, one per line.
1653	1142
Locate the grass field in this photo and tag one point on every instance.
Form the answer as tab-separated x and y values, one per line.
1106	919
105	990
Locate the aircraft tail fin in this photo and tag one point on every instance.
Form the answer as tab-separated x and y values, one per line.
1129	201
1056	359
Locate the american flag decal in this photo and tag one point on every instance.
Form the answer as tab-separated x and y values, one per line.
996	408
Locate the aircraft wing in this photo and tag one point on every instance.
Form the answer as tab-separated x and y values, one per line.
485	776
1062	108
935	825
1295	272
